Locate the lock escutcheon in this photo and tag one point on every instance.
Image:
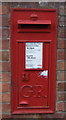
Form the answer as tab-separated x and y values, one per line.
25	76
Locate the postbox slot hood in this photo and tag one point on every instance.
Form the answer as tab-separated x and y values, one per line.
34	26
41	22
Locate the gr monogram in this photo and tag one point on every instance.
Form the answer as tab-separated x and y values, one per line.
32	91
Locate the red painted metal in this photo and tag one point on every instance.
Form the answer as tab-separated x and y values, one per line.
46	22
32	91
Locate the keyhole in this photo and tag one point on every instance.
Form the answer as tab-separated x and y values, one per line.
24	75
25	78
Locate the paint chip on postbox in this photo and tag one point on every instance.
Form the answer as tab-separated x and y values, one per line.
44	73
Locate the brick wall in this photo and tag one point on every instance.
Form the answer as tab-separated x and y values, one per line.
5	72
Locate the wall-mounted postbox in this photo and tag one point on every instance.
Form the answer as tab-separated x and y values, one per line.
33	60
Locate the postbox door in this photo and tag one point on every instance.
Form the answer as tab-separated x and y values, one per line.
33	71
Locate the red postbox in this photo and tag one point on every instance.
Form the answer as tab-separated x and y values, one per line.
33	60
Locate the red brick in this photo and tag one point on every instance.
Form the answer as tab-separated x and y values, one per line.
61	10
61	54
5	44
0	98
0	77
31	116
0	116
5	97
0	66
0	108
61	75
1	55
0	20
0	9
36	116
5	107
65	9
5	67
5	9
60	106
61	24
48	4
60	38
60	96
0	44
5	21
0	32
5	77
62	18
61	65
65	86
0	87
61	86
61	32
5	55
8	115
61	44
56	115
5	87
65	44
5	33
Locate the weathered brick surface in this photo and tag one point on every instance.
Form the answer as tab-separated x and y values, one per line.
8	115
61	54
5	87
61	65
0	55
0	107
0	45
5	98
60	106
0	20
61	44
0	98
5	77
62	21
5	67
5	21
5	9
61	32
5	32
60	96
0	87
62	86
61	75
0	9
61	10
5	55
1	116
5	44
6	108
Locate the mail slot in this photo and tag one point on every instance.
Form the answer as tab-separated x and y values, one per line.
34	26
33	60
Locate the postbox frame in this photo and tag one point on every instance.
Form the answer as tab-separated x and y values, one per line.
14	47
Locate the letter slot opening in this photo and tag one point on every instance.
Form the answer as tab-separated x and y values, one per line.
34	26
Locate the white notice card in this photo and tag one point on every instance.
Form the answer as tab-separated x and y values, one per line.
34	55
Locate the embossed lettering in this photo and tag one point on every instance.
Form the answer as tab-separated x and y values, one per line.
26	91
32	91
